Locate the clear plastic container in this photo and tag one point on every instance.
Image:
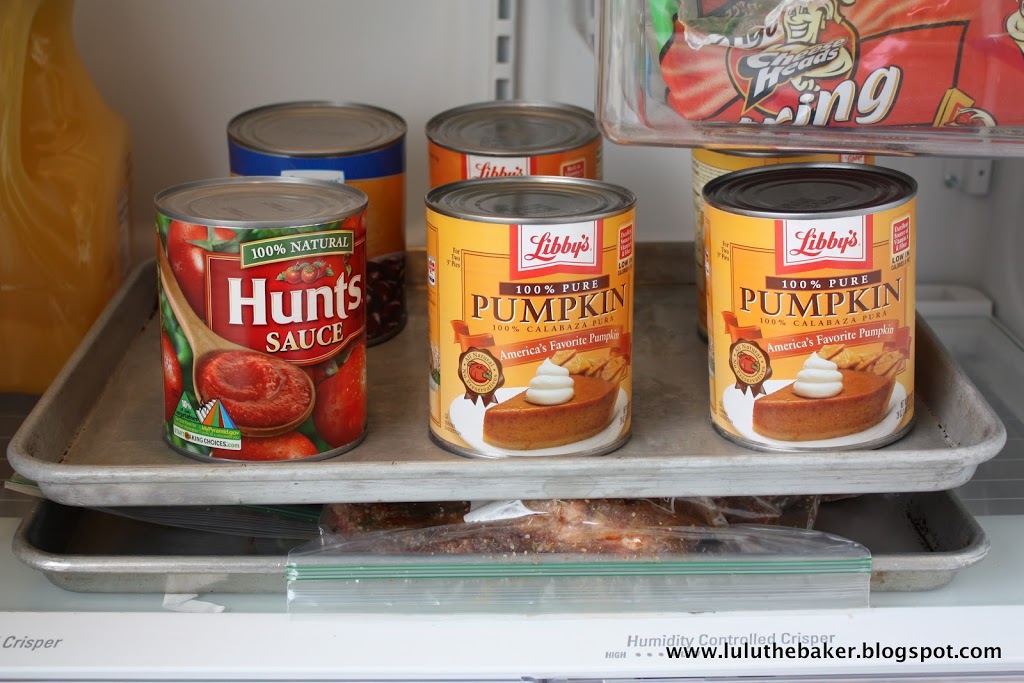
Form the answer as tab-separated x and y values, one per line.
903	77
64	195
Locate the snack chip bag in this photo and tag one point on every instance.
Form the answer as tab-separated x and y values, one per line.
839	63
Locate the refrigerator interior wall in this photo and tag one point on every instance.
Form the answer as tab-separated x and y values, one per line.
178	70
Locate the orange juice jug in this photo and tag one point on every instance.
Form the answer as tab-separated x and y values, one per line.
64	202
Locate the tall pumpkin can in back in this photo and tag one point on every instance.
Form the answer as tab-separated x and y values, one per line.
708	164
503	138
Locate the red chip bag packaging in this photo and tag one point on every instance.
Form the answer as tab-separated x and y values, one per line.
838	63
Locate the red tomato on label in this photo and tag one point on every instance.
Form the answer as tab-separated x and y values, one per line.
340	412
293	275
748	364
188	260
172	376
310	273
479	373
289	446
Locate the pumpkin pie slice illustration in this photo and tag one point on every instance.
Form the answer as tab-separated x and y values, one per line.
837	393
570	399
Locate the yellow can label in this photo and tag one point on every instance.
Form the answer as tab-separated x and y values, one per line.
530	335
708	164
811	328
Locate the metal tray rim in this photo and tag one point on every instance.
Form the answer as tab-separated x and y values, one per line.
932	568
81	484
941	561
48	562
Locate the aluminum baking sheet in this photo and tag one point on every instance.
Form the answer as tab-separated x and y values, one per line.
90	551
94	438
918	541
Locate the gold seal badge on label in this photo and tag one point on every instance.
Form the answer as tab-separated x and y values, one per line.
481	373
751	366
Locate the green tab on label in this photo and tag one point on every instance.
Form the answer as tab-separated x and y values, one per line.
185	410
293	247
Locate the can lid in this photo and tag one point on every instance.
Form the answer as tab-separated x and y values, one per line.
260	202
530	199
810	190
316	129
513	128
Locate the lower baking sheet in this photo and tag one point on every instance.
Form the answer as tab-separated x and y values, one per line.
918	541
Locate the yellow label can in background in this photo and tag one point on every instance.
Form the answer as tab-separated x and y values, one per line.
530	296
811	305
708	164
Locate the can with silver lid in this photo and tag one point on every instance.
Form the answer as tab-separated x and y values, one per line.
530	309
708	164
356	144
262	286
501	138
811	305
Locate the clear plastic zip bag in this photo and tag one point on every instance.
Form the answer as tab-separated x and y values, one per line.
542	556
343	520
296	522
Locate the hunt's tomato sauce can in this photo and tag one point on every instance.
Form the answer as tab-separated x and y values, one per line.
262	296
530	309
495	139
811	313
709	164
356	144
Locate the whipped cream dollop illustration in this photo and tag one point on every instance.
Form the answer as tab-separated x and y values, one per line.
551	386
819	378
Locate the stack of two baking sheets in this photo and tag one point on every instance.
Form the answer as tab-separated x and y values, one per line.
94	440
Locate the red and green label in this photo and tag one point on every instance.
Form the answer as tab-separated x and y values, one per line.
289	294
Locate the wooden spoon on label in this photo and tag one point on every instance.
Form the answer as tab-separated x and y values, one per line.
205	342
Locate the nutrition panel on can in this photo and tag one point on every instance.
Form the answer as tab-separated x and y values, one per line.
356	144
530	295
708	164
811	306
262	311
500	139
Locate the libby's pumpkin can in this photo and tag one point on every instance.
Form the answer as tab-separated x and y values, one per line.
530	308
708	164
502	138
811	313
262	299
